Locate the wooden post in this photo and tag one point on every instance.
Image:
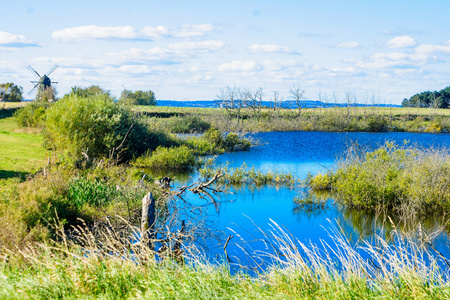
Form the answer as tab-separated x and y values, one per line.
148	218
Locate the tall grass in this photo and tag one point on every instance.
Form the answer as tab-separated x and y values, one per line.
246	175
119	270
401	178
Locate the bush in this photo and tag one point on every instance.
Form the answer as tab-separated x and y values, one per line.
168	158
377	124
393	178
138	97
98	125
32	115
93	192
188	124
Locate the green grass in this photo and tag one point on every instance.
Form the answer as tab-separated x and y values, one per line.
65	271
20	153
402	179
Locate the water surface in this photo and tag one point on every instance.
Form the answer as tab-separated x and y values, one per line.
250	207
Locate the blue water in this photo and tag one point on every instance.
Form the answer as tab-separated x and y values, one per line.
250	207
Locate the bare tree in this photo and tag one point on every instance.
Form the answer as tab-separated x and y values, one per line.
255	102
227	100
276	100
298	96
234	100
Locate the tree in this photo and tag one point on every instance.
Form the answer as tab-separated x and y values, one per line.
255	102
92	90
234	100
298	95
138	97
276	100
10	92
428	99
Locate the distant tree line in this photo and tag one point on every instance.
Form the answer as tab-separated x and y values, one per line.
127	96
436	99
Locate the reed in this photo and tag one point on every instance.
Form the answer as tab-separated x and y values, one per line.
405	179
246	175
119	270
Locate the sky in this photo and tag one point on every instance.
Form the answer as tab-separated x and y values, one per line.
374	51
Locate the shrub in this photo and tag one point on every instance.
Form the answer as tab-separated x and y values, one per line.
93	192
98	125
232	143
320	181
188	124
377	124
393	177
138	97
168	158
32	115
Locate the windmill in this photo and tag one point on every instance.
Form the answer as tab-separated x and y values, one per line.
44	85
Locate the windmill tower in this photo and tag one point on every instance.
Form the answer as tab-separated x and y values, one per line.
44	85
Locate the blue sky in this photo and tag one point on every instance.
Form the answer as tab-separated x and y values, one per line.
380	51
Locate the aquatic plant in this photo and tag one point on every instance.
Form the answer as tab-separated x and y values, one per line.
167	158
245	175
399	178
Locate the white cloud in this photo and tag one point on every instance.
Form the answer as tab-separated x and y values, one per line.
270	48
129	32
348	45
95	32
246	66
404	41
211	45
184	31
11	40
277	65
428	49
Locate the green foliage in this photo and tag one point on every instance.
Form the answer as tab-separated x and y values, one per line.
100	126
138	97
232	142
436	99
62	270
92	90
168	158
377	124
10	92
244	175
32	115
96	193
188	124
213	142
392	177
320	181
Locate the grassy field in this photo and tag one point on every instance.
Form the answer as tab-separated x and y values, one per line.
21	150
